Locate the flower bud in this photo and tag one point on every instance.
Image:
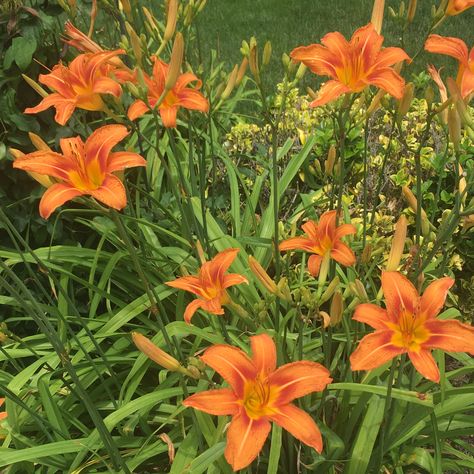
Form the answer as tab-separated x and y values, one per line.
267	53
126	7
38	142
398	244
154	353
337	308
454	126
300	72
412	201
405	101
377	15
175	62
262	276
330	160
253	63
150	19
285	59
135	42
360	290
242	71
332	287
411	10
311	93
230	83
171	17
34	85
366	254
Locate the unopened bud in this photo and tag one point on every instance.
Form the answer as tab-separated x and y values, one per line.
337	308
376	101
262	276
377	15
405	101
285	59
366	254
175	62
245	48
462	184
331	159
332	287
230	83
135	42
429	95
171	17
34	85
126	7
242	71
398	244
253	63
412	201
311	93
411	10
360	290
300	72
267	53
454	126
150	19
283	289
38	142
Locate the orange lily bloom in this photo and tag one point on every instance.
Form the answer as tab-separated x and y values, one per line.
323	238
210	284
178	96
457	49
455	7
353	65
83	169
258	394
79	85
409	325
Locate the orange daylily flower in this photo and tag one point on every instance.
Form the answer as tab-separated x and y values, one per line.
79	85
83	169
457	49
455	7
323	238
409	325
258	394
178	96
210	284
353	65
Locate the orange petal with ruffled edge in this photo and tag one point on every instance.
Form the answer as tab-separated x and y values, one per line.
298	379
263	353
193	100
390	56
310	228
467	81
372	315
100	143
327	225
425	364
106	85
318	59
56	196
328	92
168	116
450	336
374	350
215	402
187	283
64	107
344	229
137	109
212	272
191	309
232	364
448	45
388	80
120	160
296	243
233	279
46	163
314	264
343	254
111	193
245	439
434	297
399	293
300	425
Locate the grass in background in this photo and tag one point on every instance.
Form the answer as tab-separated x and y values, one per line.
225	23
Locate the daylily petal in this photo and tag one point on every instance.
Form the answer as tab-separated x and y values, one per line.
296	243
192	99
329	91
168	116
448	45
101	141
367	43
191	309
187	283
343	230
64	107
297	379
123	159
184	79
106	85
137	109
388	80
56	196
232	364
467	82
233	279
374	350
314	264
111	193
214	402
389	56
399	293
300	425
160	70
245	439
372	315
263	353
45	163
434	297
336	44
327	225
213	306
425	364
439	82
343	254
310	228
213	271
450	335
318	59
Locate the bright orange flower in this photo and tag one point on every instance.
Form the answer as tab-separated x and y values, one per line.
457	49
178	96
79	85
455	7
210	284
409	325
83	169
323	238
353	65
258	394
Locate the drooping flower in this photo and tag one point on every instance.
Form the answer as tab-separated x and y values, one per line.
210	284
83	169
79	85
455	7
179	96
323	238
457	49
409	325
353	65
258	394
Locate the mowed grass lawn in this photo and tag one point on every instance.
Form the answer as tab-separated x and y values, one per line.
290	23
